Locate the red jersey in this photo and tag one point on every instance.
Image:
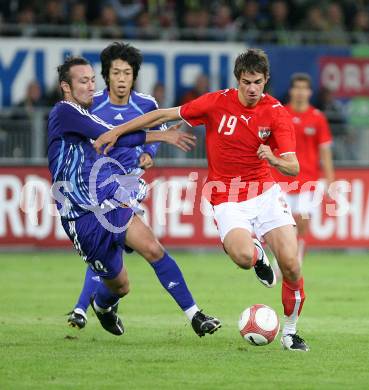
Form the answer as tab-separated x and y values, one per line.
312	131
234	133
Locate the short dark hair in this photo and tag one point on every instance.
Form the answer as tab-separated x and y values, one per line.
300	77
251	61
120	51
64	69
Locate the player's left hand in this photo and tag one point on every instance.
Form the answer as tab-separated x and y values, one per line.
146	161
265	153
180	139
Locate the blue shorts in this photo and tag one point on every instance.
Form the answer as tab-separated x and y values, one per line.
101	248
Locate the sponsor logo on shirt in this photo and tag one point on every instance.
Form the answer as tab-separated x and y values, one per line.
264	132
246	119
119	116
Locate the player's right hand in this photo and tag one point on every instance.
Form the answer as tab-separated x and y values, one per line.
264	152
109	138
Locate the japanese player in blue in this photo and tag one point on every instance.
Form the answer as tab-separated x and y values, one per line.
95	208
116	104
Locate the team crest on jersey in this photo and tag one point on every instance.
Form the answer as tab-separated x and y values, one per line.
309	130
264	132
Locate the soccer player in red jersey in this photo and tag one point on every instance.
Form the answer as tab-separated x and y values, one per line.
241	126
313	147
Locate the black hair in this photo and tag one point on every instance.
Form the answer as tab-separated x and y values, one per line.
120	51
300	77
251	61
64	69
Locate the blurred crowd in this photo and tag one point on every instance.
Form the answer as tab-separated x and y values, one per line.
27	109
335	22
272	21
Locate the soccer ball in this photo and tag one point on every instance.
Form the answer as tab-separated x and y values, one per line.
259	324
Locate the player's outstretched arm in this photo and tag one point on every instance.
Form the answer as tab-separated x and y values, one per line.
173	136
148	120
286	164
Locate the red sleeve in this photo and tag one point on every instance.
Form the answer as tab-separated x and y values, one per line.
324	132
195	111
283	131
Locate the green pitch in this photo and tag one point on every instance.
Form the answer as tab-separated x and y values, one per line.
159	349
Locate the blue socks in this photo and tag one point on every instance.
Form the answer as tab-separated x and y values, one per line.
172	280
91	283
104	298
168	273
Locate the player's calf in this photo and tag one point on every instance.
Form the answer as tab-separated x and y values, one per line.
119	286
120	290
290	268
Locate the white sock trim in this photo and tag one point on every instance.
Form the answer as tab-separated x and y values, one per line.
81	312
191	312
291	321
101	309
289	326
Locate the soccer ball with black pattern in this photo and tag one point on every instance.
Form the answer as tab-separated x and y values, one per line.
259	324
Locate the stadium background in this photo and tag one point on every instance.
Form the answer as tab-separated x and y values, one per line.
175	71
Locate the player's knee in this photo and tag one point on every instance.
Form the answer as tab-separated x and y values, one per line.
153	251
244	258
122	289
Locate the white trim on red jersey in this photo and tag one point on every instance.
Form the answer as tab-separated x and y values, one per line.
325	144
282	154
179	113
279	104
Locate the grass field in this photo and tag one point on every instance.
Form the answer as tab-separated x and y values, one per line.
159	349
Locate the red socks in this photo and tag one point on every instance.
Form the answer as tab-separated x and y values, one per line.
293	296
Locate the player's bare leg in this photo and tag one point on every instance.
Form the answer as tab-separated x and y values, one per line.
105	302
247	252
283	244
120	284
302	224
140	237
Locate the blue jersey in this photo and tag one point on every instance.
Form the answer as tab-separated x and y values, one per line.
138	104
73	160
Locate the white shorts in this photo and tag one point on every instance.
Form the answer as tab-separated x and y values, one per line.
301	203
258	215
